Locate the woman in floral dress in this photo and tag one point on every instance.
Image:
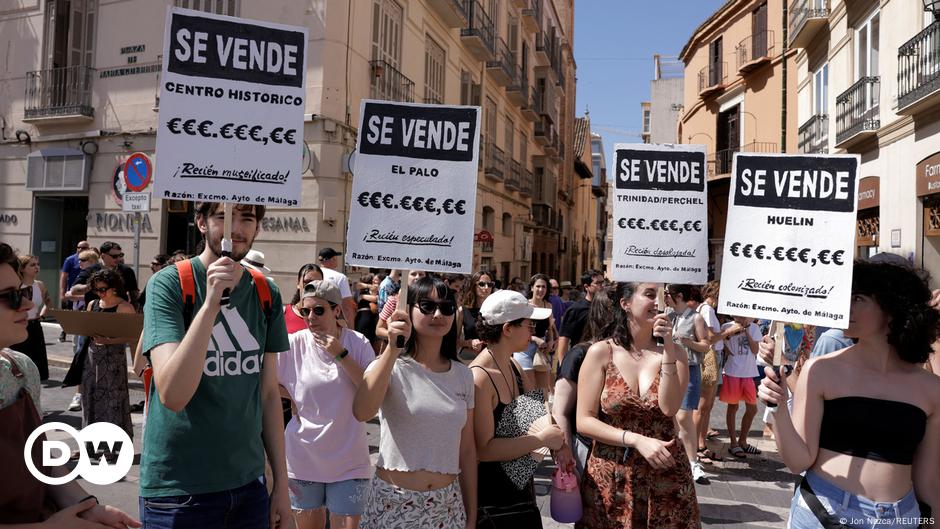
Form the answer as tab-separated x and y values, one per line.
629	389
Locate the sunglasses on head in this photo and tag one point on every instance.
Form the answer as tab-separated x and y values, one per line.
429	307
486	284
319	310
14	297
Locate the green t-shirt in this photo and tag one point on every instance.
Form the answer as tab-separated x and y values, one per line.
214	443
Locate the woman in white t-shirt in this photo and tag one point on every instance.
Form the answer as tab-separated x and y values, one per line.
737	382
327	453
426	474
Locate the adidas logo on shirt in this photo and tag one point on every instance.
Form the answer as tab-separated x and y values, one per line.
237	339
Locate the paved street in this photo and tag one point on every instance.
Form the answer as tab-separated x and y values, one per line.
751	493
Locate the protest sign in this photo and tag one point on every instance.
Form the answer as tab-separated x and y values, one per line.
414	187
789	238
660	217
231	110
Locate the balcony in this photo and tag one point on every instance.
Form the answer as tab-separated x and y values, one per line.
59	94
532	109
514	177
857	110
495	165
755	51
543	49
525	183
543	130
560	74
919	71
453	13
532	16
551	146
807	17
518	90
479	36
814	135
390	84
712	79
720	163
502	68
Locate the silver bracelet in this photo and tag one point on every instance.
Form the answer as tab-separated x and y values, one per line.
623	439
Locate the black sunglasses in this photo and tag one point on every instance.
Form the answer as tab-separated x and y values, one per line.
486	284
101	290
428	307
83	260
14	297
116	255
318	310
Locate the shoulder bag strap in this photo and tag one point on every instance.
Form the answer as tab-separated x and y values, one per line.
825	519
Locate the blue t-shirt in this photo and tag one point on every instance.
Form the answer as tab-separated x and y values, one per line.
71	269
830	342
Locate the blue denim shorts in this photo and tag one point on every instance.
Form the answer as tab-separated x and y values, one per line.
346	498
851	509
694	392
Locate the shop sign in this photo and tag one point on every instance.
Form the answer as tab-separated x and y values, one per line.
8	219
121	222
285	224
869	192
928	175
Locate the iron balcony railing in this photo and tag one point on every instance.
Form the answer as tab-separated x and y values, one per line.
712	76
520	82
59	92
514	176
721	162
857	108
390	84
534	11
504	59
538	100
525	184
495	165
802	10
814	135
481	25
758	46
919	66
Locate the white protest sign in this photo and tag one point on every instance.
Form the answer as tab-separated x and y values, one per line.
660	216
790	238
136	201
231	110
414	187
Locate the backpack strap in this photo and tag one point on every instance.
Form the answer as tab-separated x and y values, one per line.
264	290
188	288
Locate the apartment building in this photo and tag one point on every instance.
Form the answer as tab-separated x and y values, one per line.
739	95
869	84
660	115
80	92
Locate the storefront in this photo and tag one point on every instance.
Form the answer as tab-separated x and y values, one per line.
868	223
928	190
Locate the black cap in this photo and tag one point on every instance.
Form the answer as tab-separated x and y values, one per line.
328	253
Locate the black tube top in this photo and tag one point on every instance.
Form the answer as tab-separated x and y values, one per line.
876	429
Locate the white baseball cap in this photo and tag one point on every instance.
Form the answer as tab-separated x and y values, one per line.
504	306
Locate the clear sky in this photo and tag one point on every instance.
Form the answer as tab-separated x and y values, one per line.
614	44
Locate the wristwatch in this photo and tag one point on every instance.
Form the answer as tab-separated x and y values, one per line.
341	355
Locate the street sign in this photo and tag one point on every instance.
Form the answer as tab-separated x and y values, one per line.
136	202
137	172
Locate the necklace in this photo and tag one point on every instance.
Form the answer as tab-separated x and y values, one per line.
512	393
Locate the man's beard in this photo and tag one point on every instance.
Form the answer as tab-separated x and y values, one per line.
215	244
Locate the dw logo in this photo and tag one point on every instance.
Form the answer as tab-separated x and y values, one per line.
108	440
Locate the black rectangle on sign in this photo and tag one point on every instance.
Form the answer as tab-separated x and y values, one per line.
660	170
220	49
813	183
436	133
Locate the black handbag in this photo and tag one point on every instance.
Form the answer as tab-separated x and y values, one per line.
524	515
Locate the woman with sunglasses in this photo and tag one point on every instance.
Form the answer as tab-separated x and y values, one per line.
477	290
427	467
35	344
327	453
292	318
104	379
23	498
536	356
506	470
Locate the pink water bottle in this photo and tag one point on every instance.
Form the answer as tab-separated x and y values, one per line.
566	497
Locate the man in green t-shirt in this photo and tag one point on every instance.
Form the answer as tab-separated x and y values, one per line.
215	409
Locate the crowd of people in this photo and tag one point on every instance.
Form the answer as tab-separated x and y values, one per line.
475	384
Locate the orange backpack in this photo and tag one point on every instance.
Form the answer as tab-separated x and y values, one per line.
188	286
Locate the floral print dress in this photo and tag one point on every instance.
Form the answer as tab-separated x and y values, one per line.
631	494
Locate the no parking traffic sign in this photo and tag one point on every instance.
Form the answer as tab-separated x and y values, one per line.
137	172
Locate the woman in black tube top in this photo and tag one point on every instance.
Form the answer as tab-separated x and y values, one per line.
865	423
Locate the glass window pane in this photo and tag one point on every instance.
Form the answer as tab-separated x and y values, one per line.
874	44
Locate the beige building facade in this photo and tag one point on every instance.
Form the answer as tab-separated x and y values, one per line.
869	84
739	95
79	93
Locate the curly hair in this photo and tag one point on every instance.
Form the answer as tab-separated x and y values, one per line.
904	297
617	328
109	277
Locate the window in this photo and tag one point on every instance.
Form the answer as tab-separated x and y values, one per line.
70	33
759	41
646	121
386	32
513	39
507	224
433	72
510	138
867	46
714	62
490	119
493	12
489	219
469	91
821	90
219	7
524	150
